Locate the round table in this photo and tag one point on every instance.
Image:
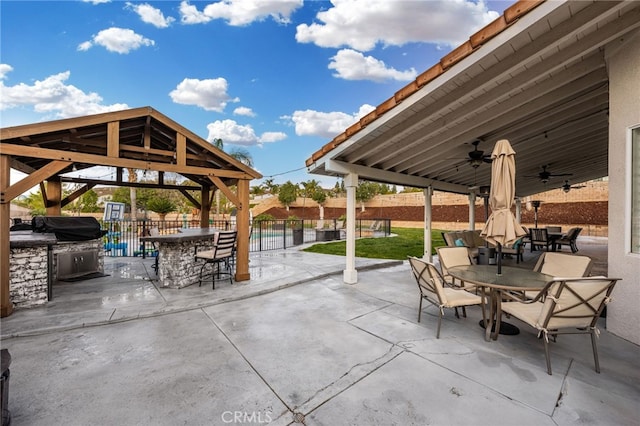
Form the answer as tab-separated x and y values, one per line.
511	279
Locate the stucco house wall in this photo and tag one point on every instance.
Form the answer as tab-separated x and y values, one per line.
623	58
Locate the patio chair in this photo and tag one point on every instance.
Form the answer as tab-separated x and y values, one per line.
571	306
434	289
514	249
220	257
154	232
540	238
564	265
569	240
561	265
450	257
527	238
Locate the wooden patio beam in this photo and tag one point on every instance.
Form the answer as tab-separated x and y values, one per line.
33	179
100	160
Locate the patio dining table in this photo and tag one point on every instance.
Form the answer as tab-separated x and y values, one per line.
553	237
511	279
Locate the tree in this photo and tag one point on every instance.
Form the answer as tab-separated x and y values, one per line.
320	197
288	193
133	177
272	188
34	202
258	190
365	191
162	206
242	155
89	202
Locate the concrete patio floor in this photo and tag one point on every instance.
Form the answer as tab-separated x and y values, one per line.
295	345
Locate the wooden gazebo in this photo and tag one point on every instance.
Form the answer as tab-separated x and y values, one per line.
140	139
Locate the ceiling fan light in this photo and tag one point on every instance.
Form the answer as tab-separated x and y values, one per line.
566	188
475	163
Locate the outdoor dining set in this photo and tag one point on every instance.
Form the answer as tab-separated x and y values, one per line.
556	297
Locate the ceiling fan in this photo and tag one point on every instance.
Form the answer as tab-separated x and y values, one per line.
567	186
545	175
477	157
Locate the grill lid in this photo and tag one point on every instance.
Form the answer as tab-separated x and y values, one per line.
76	228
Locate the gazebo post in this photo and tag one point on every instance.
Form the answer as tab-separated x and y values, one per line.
6	307
204	207
242	225
53	197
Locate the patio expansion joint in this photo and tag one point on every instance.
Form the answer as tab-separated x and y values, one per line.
348	380
255	370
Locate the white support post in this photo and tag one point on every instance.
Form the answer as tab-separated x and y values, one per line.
350	275
472	211
518	210
428	195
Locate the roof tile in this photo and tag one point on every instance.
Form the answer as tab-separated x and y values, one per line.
520	8
429	75
488	32
456	55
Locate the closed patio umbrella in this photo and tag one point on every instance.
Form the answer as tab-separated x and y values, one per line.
501	227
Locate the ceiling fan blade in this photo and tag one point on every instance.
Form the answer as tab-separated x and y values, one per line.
560	174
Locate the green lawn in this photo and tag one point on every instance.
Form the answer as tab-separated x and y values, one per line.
408	242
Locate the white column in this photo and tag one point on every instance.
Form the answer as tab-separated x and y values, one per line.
518	210
350	275
428	194
472	211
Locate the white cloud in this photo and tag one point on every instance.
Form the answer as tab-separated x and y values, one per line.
190	15
4	70
237	134
150	15
247	112
96	1
272	136
325	124
209	94
352	65
119	40
53	96
240	12
394	23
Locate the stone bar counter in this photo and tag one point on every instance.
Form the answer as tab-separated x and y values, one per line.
33	264
176	259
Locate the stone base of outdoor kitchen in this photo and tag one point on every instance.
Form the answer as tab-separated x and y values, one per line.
33	265
177	265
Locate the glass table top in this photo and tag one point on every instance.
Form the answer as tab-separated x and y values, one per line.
511	277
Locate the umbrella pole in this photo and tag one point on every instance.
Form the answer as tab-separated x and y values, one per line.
499	262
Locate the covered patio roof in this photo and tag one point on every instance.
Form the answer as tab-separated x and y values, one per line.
536	76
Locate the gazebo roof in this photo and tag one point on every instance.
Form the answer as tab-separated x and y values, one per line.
139	138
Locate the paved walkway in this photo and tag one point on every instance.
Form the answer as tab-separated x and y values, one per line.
296	345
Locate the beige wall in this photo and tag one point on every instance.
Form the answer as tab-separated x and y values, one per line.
623	57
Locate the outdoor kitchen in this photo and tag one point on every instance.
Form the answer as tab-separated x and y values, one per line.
51	250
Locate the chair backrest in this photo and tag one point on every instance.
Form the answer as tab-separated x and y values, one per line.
225	243
563	265
539	234
575	302
572	234
429	279
452	256
153	232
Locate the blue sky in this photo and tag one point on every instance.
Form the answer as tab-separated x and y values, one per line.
279	78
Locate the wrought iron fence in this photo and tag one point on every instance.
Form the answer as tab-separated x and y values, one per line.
123	237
